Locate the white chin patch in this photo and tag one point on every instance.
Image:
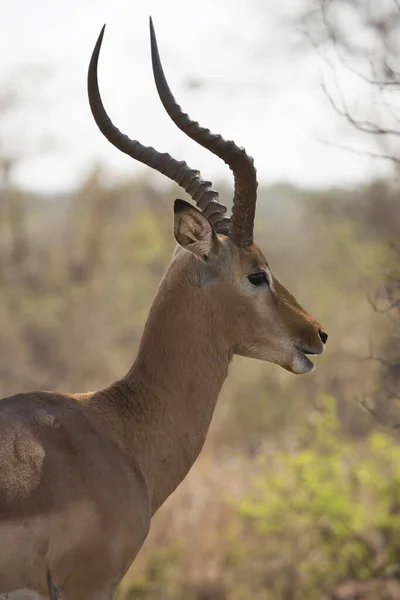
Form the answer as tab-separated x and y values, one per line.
302	364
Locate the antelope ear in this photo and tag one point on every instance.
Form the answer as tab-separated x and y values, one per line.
192	230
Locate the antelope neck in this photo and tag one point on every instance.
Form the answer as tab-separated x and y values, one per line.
169	395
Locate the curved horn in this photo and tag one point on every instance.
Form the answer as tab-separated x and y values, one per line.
240	163
189	179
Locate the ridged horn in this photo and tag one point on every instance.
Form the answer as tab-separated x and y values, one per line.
240	163
189	179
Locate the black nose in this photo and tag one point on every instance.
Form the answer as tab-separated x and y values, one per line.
323	335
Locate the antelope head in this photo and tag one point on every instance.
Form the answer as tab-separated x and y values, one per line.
217	255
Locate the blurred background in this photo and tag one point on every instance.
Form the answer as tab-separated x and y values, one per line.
297	492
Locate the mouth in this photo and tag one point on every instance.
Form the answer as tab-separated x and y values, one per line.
303	364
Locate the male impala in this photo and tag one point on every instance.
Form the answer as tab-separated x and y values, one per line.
82	474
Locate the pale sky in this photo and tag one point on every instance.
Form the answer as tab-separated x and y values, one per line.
254	89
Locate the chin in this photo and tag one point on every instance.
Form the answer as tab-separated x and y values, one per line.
301	364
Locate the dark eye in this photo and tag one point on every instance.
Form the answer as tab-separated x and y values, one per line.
259	278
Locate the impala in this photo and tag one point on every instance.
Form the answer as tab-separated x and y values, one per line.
82	474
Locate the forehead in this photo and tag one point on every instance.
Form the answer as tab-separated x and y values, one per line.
252	258
247	259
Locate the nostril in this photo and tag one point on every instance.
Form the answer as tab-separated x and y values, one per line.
323	335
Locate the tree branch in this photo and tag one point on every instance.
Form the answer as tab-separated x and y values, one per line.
364	126
352	150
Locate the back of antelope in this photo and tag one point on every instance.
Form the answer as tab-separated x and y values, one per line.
82	474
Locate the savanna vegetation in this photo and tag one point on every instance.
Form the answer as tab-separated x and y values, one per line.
297	489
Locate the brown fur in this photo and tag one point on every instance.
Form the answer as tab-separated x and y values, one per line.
82	474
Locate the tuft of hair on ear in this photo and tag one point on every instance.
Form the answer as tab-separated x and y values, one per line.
192	230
